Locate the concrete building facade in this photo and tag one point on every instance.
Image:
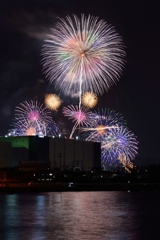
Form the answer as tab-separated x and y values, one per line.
74	154
65	154
5	154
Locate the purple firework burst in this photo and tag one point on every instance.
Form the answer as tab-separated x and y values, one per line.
27	128
105	120
119	142
33	118
32	111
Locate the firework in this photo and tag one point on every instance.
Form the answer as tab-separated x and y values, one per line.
27	128
82	117
23	128
89	99
127	164
32	118
120	142
86	50
52	101
31	131
32	111
106	120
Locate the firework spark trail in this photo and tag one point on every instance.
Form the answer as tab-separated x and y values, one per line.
80	117
73	129
80	86
80	101
128	165
94	132
106	120
85	49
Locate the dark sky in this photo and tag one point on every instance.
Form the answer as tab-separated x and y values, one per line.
23	28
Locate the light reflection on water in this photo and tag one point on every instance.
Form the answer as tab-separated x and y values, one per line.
80	215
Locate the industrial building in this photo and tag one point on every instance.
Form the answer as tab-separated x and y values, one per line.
65	154
5	154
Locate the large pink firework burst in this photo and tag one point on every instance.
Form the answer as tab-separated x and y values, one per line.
84	50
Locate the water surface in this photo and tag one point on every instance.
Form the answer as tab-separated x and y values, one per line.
80	215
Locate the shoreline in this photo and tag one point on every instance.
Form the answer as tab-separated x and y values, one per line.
22	188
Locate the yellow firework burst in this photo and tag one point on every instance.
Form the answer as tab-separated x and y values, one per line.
52	101
89	99
31	131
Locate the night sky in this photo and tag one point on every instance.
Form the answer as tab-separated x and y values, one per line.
23	28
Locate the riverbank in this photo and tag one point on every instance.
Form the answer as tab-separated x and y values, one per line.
16	188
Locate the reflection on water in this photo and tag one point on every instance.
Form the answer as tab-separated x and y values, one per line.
80	215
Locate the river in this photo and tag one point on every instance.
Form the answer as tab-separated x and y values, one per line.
108	215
